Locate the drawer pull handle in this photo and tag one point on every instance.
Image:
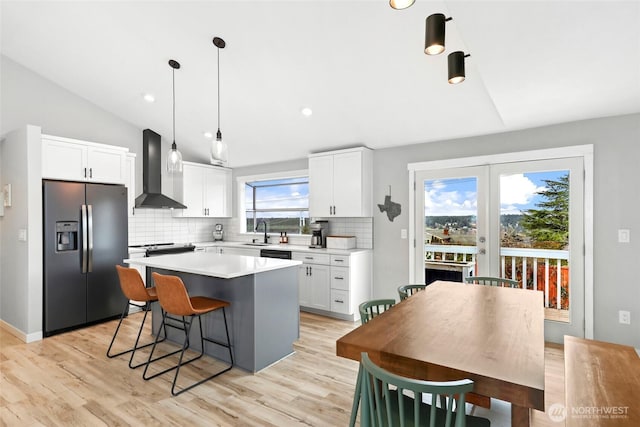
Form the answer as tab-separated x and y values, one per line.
338	300
338	260
338	278
308	257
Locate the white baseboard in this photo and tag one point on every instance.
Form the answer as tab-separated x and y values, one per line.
27	338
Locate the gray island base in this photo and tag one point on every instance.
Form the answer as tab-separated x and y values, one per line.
264	317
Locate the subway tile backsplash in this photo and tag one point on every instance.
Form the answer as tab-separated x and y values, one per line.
158	226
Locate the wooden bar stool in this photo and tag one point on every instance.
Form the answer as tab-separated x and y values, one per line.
175	300
134	290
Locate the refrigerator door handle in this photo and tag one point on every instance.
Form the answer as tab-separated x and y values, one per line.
90	238
85	237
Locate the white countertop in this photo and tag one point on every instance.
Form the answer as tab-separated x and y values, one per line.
282	247
215	265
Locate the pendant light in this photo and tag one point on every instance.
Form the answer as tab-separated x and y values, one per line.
218	146
401	4
456	67
174	159
434	34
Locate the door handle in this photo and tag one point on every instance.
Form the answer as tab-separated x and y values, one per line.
85	173
90	172
90	238
85	237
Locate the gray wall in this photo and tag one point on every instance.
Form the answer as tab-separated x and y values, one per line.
616	143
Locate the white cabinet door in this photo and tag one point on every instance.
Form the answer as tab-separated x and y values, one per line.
347	184
106	165
130	183
217	192
320	287
320	186
304	286
192	191
63	160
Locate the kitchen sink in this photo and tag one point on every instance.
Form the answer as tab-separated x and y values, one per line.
257	244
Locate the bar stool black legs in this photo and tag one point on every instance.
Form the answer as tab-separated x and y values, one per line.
175	301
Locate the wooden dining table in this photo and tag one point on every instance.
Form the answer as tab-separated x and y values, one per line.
450	331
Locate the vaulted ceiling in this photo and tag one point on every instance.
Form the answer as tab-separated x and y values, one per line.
359	65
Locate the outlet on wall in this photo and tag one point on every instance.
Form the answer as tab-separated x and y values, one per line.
624	317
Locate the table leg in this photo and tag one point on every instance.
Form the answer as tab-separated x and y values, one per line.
520	416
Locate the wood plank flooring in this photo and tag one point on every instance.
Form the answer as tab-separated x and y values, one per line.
67	380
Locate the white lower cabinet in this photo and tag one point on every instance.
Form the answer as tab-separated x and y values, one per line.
313	280
334	285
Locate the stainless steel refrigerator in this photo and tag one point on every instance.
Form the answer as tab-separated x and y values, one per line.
85	236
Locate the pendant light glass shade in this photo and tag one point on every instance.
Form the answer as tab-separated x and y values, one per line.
174	159
456	67
218	150
218	154
401	4
434	34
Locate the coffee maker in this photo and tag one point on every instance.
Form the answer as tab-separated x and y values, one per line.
319	230
218	233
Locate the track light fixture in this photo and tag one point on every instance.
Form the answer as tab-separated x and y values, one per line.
434	34
456	67
401	4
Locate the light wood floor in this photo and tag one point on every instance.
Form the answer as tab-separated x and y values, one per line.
67	380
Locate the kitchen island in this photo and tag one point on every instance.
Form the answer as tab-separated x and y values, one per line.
263	292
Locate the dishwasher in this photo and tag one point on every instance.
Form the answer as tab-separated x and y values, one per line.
275	253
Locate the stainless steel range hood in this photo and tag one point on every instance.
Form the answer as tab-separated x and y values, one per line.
151	197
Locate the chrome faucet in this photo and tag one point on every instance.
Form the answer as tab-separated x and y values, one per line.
266	236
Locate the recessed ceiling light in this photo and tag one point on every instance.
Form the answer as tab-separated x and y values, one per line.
149	97
208	135
306	111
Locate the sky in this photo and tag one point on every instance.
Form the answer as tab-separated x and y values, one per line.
458	196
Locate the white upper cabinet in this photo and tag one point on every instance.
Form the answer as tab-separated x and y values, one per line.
340	183
205	191
75	160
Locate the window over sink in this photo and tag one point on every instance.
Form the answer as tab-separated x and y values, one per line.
281	200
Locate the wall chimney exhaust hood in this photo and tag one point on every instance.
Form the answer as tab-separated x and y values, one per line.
151	197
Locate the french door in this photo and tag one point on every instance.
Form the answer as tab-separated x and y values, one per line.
518	220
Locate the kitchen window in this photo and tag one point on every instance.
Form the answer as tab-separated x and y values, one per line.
281	201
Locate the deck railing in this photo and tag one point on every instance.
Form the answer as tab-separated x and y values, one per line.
542	269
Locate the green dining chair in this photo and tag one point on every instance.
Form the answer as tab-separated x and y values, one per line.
370	309
383	406
492	281
405	291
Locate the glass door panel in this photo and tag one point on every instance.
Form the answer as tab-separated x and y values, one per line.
450	227
540	229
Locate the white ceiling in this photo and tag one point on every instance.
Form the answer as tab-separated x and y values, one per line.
358	64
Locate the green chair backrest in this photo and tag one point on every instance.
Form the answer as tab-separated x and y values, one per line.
405	291
370	309
492	281
382	406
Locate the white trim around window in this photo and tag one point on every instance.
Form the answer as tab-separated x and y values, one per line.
240	183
